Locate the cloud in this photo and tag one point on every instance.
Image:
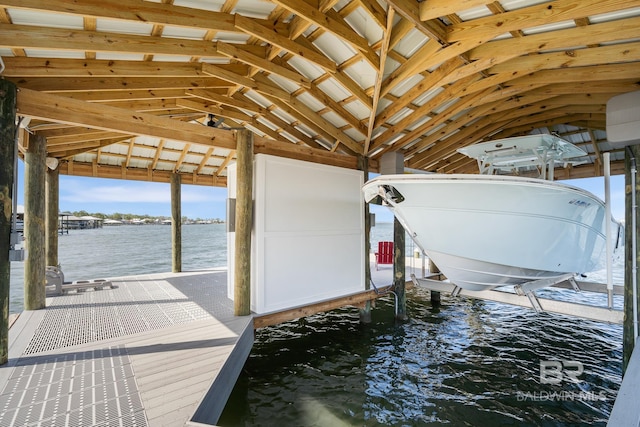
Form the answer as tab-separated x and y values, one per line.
86	191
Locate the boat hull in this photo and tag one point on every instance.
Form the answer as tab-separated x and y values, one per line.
484	231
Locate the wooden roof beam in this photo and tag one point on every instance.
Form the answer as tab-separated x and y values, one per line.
605	32
489	27
46	38
472	133
410	10
378	83
270	36
430	81
374	10
247	82
618	53
450	92
244	103
319	123
134	174
209	108
64	67
463	104
260	62
431	9
64	110
225	162
502	50
134	11
333	23
100	96
527	124
95	135
81	84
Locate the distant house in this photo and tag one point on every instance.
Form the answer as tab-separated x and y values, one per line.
80	222
111	222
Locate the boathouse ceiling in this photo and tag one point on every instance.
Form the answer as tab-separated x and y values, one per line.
141	89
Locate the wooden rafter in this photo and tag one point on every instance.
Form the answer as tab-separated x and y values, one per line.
343	78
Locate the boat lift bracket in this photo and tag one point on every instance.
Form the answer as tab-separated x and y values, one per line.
534	285
586	311
529	288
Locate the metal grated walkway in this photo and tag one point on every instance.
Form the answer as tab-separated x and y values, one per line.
94	388
137	305
143	354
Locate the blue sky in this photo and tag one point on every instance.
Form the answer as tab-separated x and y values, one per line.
136	197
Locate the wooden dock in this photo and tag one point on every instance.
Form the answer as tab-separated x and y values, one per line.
155	350
626	411
158	350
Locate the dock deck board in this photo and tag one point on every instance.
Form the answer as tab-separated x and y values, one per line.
146	353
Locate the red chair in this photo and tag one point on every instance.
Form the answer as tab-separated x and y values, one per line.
384	254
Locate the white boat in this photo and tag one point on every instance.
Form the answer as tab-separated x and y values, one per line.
490	230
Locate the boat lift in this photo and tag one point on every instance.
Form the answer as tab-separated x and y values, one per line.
525	294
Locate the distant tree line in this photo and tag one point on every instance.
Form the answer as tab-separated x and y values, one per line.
148	218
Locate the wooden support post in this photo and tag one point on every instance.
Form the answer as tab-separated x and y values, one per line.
365	311
632	194
176	223
7	159
34	219
53	204
435	295
244	221
399	267
392	163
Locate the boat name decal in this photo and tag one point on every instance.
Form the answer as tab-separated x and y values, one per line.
579	202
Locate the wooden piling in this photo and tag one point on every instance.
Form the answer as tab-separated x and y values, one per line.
7	159
53	206
244	221
393	163
399	267
435	295
34	220
632	158
176	223
365	311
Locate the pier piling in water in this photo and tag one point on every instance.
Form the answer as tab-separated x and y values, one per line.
399	267
393	163
365	311
34	220
435	295
7	159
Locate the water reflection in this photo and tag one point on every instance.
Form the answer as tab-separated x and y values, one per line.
467	363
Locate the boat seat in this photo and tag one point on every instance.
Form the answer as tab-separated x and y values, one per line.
384	254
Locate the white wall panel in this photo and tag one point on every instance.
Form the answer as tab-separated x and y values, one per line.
308	237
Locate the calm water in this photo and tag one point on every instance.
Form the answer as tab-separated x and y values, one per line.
467	363
127	250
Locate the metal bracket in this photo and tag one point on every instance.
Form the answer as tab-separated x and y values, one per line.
574	284
525	288
533	299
